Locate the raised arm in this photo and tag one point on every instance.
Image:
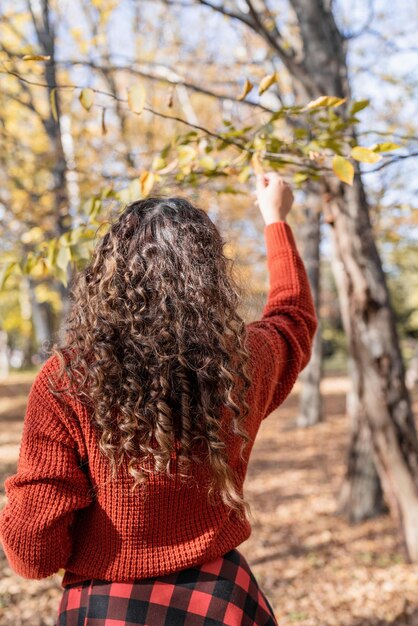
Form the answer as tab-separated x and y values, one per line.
281	341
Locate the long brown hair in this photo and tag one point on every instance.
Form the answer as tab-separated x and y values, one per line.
156	343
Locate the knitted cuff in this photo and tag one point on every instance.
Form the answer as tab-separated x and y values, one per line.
279	236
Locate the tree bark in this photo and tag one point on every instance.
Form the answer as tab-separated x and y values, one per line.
42	320
361	494
44	28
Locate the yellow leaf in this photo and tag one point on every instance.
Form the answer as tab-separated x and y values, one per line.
86	98
186	154
365	155
359	105
35	57
53	102
256	163
325	101
136	98
246	89
343	169
267	82
386	146
135	189
40	269
207	162
158	163
63	258
146	181
34	235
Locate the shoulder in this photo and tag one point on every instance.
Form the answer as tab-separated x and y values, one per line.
50	406
52	387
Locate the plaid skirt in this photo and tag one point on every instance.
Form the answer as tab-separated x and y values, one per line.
222	592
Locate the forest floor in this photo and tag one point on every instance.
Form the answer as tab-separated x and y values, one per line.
315	568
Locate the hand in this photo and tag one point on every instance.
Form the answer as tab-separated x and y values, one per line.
274	197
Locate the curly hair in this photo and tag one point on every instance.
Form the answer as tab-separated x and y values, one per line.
154	345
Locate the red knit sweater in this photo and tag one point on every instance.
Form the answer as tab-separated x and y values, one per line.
64	511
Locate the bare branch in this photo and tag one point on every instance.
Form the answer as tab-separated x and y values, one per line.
221	9
166	116
388	133
165	79
411	155
288	58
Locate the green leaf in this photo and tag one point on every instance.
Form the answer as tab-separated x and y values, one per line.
267	82
86	98
343	169
95	206
244	174
359	105
325	101
228	189
51	254
386	146
300	133
365	155
136	98
300	177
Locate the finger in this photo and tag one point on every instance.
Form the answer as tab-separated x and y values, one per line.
274	178
260	182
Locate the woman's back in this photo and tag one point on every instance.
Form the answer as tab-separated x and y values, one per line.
67	510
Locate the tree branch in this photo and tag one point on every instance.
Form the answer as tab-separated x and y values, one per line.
221	9
411	155
164	79
174	118
295	68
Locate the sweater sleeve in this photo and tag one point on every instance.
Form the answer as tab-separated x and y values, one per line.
35	524
281	341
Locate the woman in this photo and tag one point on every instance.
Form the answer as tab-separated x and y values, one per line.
138	431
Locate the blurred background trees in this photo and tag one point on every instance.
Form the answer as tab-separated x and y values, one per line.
103	102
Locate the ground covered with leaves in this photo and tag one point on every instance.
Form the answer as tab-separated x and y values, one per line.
315	568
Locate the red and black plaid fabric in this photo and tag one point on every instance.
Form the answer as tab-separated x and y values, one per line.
222	592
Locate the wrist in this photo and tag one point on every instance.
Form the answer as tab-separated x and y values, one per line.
273	219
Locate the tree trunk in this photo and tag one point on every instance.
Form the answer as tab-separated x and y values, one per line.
310	399
42	320
361	495
373	341
374	345
41	17
4	355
